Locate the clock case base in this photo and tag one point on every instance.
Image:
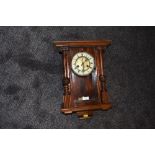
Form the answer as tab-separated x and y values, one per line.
84	110
87	110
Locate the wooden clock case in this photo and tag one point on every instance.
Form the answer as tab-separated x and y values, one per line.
77	87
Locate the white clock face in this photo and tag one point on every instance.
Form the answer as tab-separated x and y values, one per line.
82	64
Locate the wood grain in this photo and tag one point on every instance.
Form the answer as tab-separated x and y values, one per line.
92	86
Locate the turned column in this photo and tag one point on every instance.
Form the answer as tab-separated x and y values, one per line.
66	80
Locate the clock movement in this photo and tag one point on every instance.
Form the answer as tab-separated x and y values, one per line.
84	79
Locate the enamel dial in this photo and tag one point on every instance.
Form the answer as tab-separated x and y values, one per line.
83	64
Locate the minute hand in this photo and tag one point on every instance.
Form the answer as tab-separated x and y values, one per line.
83	64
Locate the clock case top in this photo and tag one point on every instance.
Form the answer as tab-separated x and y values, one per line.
91	43
93	85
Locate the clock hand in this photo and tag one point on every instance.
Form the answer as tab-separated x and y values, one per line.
84	63
83	68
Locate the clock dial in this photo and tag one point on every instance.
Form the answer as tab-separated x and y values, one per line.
82	64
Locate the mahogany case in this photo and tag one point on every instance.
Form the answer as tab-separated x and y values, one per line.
92	86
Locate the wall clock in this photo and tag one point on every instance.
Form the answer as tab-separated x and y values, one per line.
84	79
